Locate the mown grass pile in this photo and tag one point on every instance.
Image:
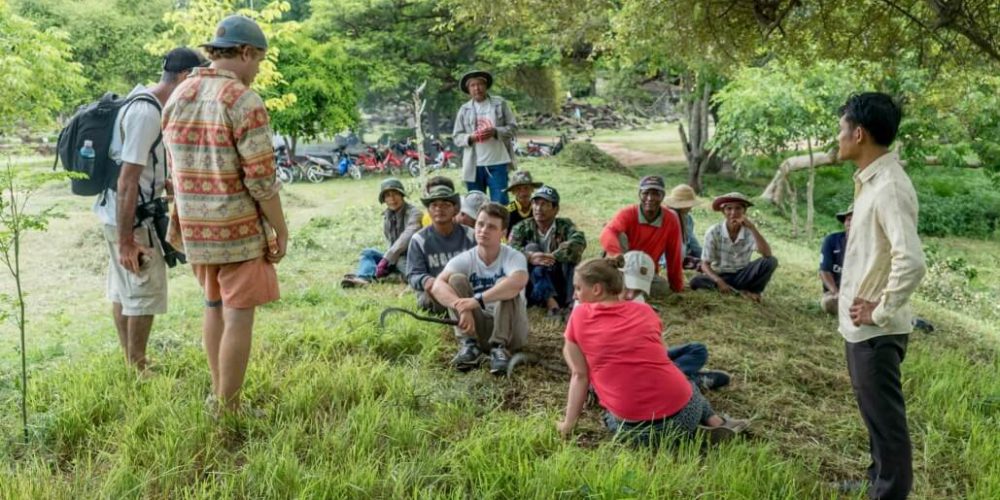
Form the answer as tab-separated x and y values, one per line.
352	410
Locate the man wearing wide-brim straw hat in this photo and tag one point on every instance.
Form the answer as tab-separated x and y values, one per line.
400	221
433	246
485	129
725	257
682	199
522	185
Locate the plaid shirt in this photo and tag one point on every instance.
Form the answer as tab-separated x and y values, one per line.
219	147
568	242
726	255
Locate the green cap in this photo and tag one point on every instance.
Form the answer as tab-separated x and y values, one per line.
390	184
438	193
236	30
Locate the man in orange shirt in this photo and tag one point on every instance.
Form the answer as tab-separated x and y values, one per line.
219	142
651	228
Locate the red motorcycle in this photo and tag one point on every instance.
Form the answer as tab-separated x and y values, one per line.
445	158
381	159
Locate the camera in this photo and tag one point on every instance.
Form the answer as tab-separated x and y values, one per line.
156	211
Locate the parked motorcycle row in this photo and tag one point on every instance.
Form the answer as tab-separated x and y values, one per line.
352	158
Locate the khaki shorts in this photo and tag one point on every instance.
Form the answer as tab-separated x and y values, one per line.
239	285
143	294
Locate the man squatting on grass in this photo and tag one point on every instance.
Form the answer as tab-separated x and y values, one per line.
137	274
553	247
725	260
884	264
435	245
400	221
219	142
652	228
615	345
483	288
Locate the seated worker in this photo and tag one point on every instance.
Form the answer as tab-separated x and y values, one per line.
651	228
483	288
831	263
616	345
553	247
690	358
433	246
471	203
521	186
400	221
682	199
725	258
437	180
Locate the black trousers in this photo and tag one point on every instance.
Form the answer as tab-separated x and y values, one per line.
874	368
753	278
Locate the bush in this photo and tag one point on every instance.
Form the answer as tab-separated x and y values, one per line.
590	157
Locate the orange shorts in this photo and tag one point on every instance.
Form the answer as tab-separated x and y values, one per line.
239	285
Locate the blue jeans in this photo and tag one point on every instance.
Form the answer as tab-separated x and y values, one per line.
551	281
368	262
493	177
689	358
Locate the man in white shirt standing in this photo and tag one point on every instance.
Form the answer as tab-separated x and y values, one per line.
883	265
137	274
485	129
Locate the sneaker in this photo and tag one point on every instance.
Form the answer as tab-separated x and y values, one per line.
499	358
709	380
848	486
923	324
469	356
352	281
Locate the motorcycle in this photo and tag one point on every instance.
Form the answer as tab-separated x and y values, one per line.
318	169
445	158
285	167
381	159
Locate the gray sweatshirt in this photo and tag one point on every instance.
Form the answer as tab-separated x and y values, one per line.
429	252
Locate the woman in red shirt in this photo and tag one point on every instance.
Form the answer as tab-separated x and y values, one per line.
615	345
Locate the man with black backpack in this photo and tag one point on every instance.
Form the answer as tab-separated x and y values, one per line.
132	206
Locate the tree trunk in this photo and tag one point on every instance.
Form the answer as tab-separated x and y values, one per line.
775	191
810	188
698	158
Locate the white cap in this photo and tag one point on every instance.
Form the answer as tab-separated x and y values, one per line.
472	202
639	270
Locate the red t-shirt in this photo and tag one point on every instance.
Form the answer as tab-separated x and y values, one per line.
655	241
627	361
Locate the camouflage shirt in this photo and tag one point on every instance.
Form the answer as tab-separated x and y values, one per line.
565	241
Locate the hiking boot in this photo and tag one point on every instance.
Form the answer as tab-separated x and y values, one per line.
469	356
499	358
352	281
709	380
923	325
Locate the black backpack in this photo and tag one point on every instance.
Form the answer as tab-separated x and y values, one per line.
95	122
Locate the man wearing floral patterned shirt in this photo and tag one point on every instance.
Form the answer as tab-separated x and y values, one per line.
228	215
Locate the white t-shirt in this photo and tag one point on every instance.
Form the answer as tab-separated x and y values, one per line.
141	124
491	151
482	277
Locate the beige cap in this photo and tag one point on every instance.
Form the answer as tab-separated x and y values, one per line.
638	271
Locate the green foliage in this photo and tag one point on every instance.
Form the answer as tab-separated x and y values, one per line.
770	109
194	23
108	39
321	79
588	156
36	74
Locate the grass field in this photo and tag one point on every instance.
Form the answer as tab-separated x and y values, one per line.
353	411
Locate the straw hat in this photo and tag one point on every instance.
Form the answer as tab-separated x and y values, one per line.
681	196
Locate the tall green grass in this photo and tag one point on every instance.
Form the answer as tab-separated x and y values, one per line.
355	411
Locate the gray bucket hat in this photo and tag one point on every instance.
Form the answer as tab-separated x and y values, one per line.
236	30
390	184
473	201
842	216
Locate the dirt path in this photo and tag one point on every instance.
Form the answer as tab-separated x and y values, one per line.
634	157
